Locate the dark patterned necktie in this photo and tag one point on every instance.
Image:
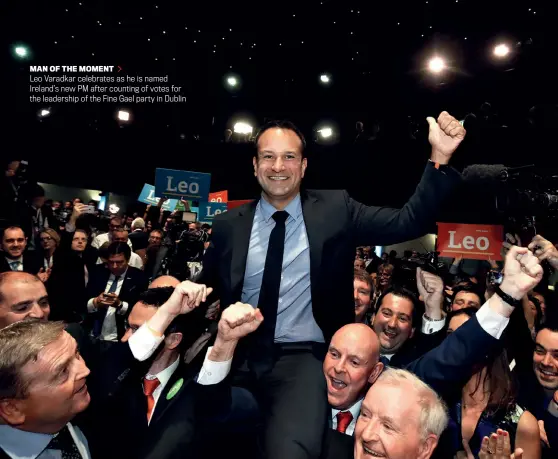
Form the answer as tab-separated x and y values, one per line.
64	443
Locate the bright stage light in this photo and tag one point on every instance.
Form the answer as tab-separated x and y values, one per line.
501	50
123	115
325	79
436	65
44	112
21	51
325	132
242	128
232	81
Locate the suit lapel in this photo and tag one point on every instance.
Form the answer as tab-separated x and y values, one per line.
242	229
314	230
176	385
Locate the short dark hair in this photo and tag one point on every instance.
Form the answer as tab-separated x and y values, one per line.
9	228
157	231
403	292
469	288
281	124
117	248
191	325
119	219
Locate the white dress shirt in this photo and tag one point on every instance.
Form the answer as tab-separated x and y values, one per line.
355	411
12	260
21	444
109	331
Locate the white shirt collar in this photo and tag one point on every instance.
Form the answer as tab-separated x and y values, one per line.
387	356
355	410
12	260
165	375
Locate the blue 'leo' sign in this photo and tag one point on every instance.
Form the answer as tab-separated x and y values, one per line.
208	210
171	183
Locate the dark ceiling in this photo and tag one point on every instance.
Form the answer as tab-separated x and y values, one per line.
375	53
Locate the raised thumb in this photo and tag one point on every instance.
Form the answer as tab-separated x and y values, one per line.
431	122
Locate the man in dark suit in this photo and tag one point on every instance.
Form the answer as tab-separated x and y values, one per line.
291	254
112	290
160	408
14	257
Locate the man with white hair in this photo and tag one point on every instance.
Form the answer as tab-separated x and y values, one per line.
409	428
138	237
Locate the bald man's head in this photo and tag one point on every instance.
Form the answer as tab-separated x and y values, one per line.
22	296
351	364
164	281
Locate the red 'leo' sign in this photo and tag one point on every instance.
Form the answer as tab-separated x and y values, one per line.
478	242
219	196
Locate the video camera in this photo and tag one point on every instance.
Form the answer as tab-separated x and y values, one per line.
518	191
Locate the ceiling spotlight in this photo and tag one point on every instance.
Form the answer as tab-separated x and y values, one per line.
501	50
232	81
325	79
44	112
242	127
123	115
325	132
21	51
436	65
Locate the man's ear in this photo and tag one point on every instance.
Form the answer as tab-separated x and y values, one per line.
304	166
173	340
11	411
412	333
427	447
376	372
255	164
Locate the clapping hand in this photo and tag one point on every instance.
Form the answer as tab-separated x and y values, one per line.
498	446
44	275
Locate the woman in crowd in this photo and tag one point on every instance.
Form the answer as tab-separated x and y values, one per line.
487	403
50	240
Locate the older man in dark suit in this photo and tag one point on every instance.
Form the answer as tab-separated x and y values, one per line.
291	254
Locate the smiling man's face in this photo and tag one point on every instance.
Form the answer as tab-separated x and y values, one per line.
351	364
279	165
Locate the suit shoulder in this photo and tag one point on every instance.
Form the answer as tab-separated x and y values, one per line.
134	272
326	193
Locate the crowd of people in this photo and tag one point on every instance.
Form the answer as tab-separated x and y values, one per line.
161	339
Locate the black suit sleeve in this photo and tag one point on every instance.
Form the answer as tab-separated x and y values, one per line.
385	226
451	363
